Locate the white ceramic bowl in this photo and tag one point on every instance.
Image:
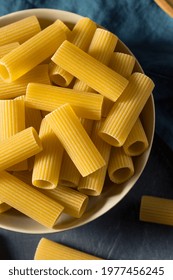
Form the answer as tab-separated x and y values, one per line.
112	194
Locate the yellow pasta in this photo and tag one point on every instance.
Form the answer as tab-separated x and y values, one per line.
88	69
75	140
19	147
101	48
4	207
25	176
7	48
74	202
136	142
50	250
69	175
38	74
93	183
120	166
123	64
32	52
28	200
49	98
47	163
81	36
126	110
19	31
156	210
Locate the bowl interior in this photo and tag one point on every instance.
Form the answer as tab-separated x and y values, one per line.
112	194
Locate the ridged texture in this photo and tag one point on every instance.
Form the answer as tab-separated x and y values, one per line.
88	69
32	52
47	164
136	142
19	147
93	183
69	175
75	140
49	98
38	74
12	121
156	210
50	250
120	166
81	36
19	31
8	48
126	110
28	200
4	207
74	202
101	48
123	64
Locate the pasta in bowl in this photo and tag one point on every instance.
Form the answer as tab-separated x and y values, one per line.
84	121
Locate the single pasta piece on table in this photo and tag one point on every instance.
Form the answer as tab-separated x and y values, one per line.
50	250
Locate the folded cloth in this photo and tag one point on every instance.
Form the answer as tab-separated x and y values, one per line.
144	28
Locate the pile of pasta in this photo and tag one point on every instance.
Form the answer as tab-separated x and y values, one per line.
70	108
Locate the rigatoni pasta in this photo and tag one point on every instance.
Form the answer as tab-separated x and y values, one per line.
20	146
126	110
4	207
81	36
28	200
74	202
75	140
47	163
49	98
32	52
7	48
156	210
19	31
120	166
50	250
88	69
38	74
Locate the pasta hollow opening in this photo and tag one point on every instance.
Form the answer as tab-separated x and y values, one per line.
136	147
44	184
109	139
58	79
4	74
121	174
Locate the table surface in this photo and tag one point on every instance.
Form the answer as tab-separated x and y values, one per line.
118	234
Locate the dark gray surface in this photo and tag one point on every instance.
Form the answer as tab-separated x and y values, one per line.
118	234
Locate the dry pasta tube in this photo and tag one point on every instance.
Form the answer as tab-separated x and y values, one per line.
88	69
38	74
120	166
28	200
47	164
19	31
126	110
32	52
123	64
4	207
156	210
70	175
81	36
50	250
49	98
8	48
74	202
12	121
101	48
20	146
93	183
72	135
136	142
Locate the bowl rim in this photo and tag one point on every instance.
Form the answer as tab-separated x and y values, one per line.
53	14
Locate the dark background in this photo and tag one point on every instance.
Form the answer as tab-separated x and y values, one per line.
119	234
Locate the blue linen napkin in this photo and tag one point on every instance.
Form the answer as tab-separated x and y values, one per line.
144	28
